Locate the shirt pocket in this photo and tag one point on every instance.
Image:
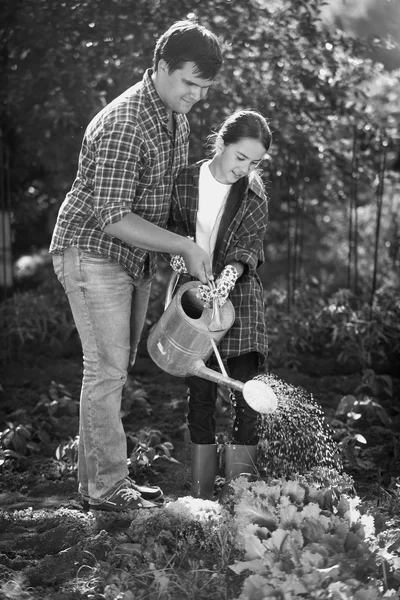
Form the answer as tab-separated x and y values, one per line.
180	158
155	165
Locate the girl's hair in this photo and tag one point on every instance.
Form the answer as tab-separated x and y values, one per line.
241	124
187	41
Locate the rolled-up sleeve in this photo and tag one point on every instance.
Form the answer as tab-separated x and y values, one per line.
247	245
118	163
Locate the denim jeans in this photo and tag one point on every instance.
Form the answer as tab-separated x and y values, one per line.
203	397
109	309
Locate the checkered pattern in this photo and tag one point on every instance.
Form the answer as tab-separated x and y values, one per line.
244	243
128	163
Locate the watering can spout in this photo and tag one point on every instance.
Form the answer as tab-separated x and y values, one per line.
257	393
199	369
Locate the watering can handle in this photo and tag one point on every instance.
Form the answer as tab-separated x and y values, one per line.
215	324
172	283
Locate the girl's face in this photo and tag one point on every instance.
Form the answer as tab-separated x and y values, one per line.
234	161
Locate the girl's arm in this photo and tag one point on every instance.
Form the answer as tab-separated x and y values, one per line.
247	246
238	266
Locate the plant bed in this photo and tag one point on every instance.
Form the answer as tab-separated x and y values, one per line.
51	550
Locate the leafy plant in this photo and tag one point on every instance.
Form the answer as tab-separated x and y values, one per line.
39	428
148	447
300	541
67	453
16	441
307	537
34	317
57	402
341	328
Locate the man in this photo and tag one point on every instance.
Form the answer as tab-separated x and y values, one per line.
108	229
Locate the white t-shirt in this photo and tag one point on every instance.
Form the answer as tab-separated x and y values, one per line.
212	197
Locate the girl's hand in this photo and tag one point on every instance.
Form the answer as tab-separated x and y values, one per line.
178	264
197	262
223	286
225	283
206	295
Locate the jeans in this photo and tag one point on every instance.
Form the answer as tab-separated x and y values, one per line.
109	309
203	397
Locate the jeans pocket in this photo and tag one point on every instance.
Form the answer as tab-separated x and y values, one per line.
93	257
58	266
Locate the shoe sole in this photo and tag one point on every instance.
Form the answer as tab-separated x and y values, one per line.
158	501
110	508
156	498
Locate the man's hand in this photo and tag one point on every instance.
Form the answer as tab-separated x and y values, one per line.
198	263
136	231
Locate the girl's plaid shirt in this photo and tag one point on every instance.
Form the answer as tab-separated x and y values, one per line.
243	242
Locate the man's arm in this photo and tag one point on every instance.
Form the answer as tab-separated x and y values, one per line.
117	174
136	231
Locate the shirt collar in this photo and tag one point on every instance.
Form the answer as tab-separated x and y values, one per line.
256	185
156	102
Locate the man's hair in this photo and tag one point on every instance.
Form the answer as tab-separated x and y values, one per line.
187	41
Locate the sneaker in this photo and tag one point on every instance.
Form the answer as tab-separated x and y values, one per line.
147	492
123	497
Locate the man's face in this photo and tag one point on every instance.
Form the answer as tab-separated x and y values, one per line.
181	89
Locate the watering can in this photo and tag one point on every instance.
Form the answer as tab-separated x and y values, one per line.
186	335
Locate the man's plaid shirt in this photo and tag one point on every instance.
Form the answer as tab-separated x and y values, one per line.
128	163
244	242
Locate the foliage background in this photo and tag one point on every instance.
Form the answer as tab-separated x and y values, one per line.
334	166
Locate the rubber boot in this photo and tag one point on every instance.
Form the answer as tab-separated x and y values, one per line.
204	468
239	460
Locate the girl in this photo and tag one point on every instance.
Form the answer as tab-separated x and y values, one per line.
221	204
